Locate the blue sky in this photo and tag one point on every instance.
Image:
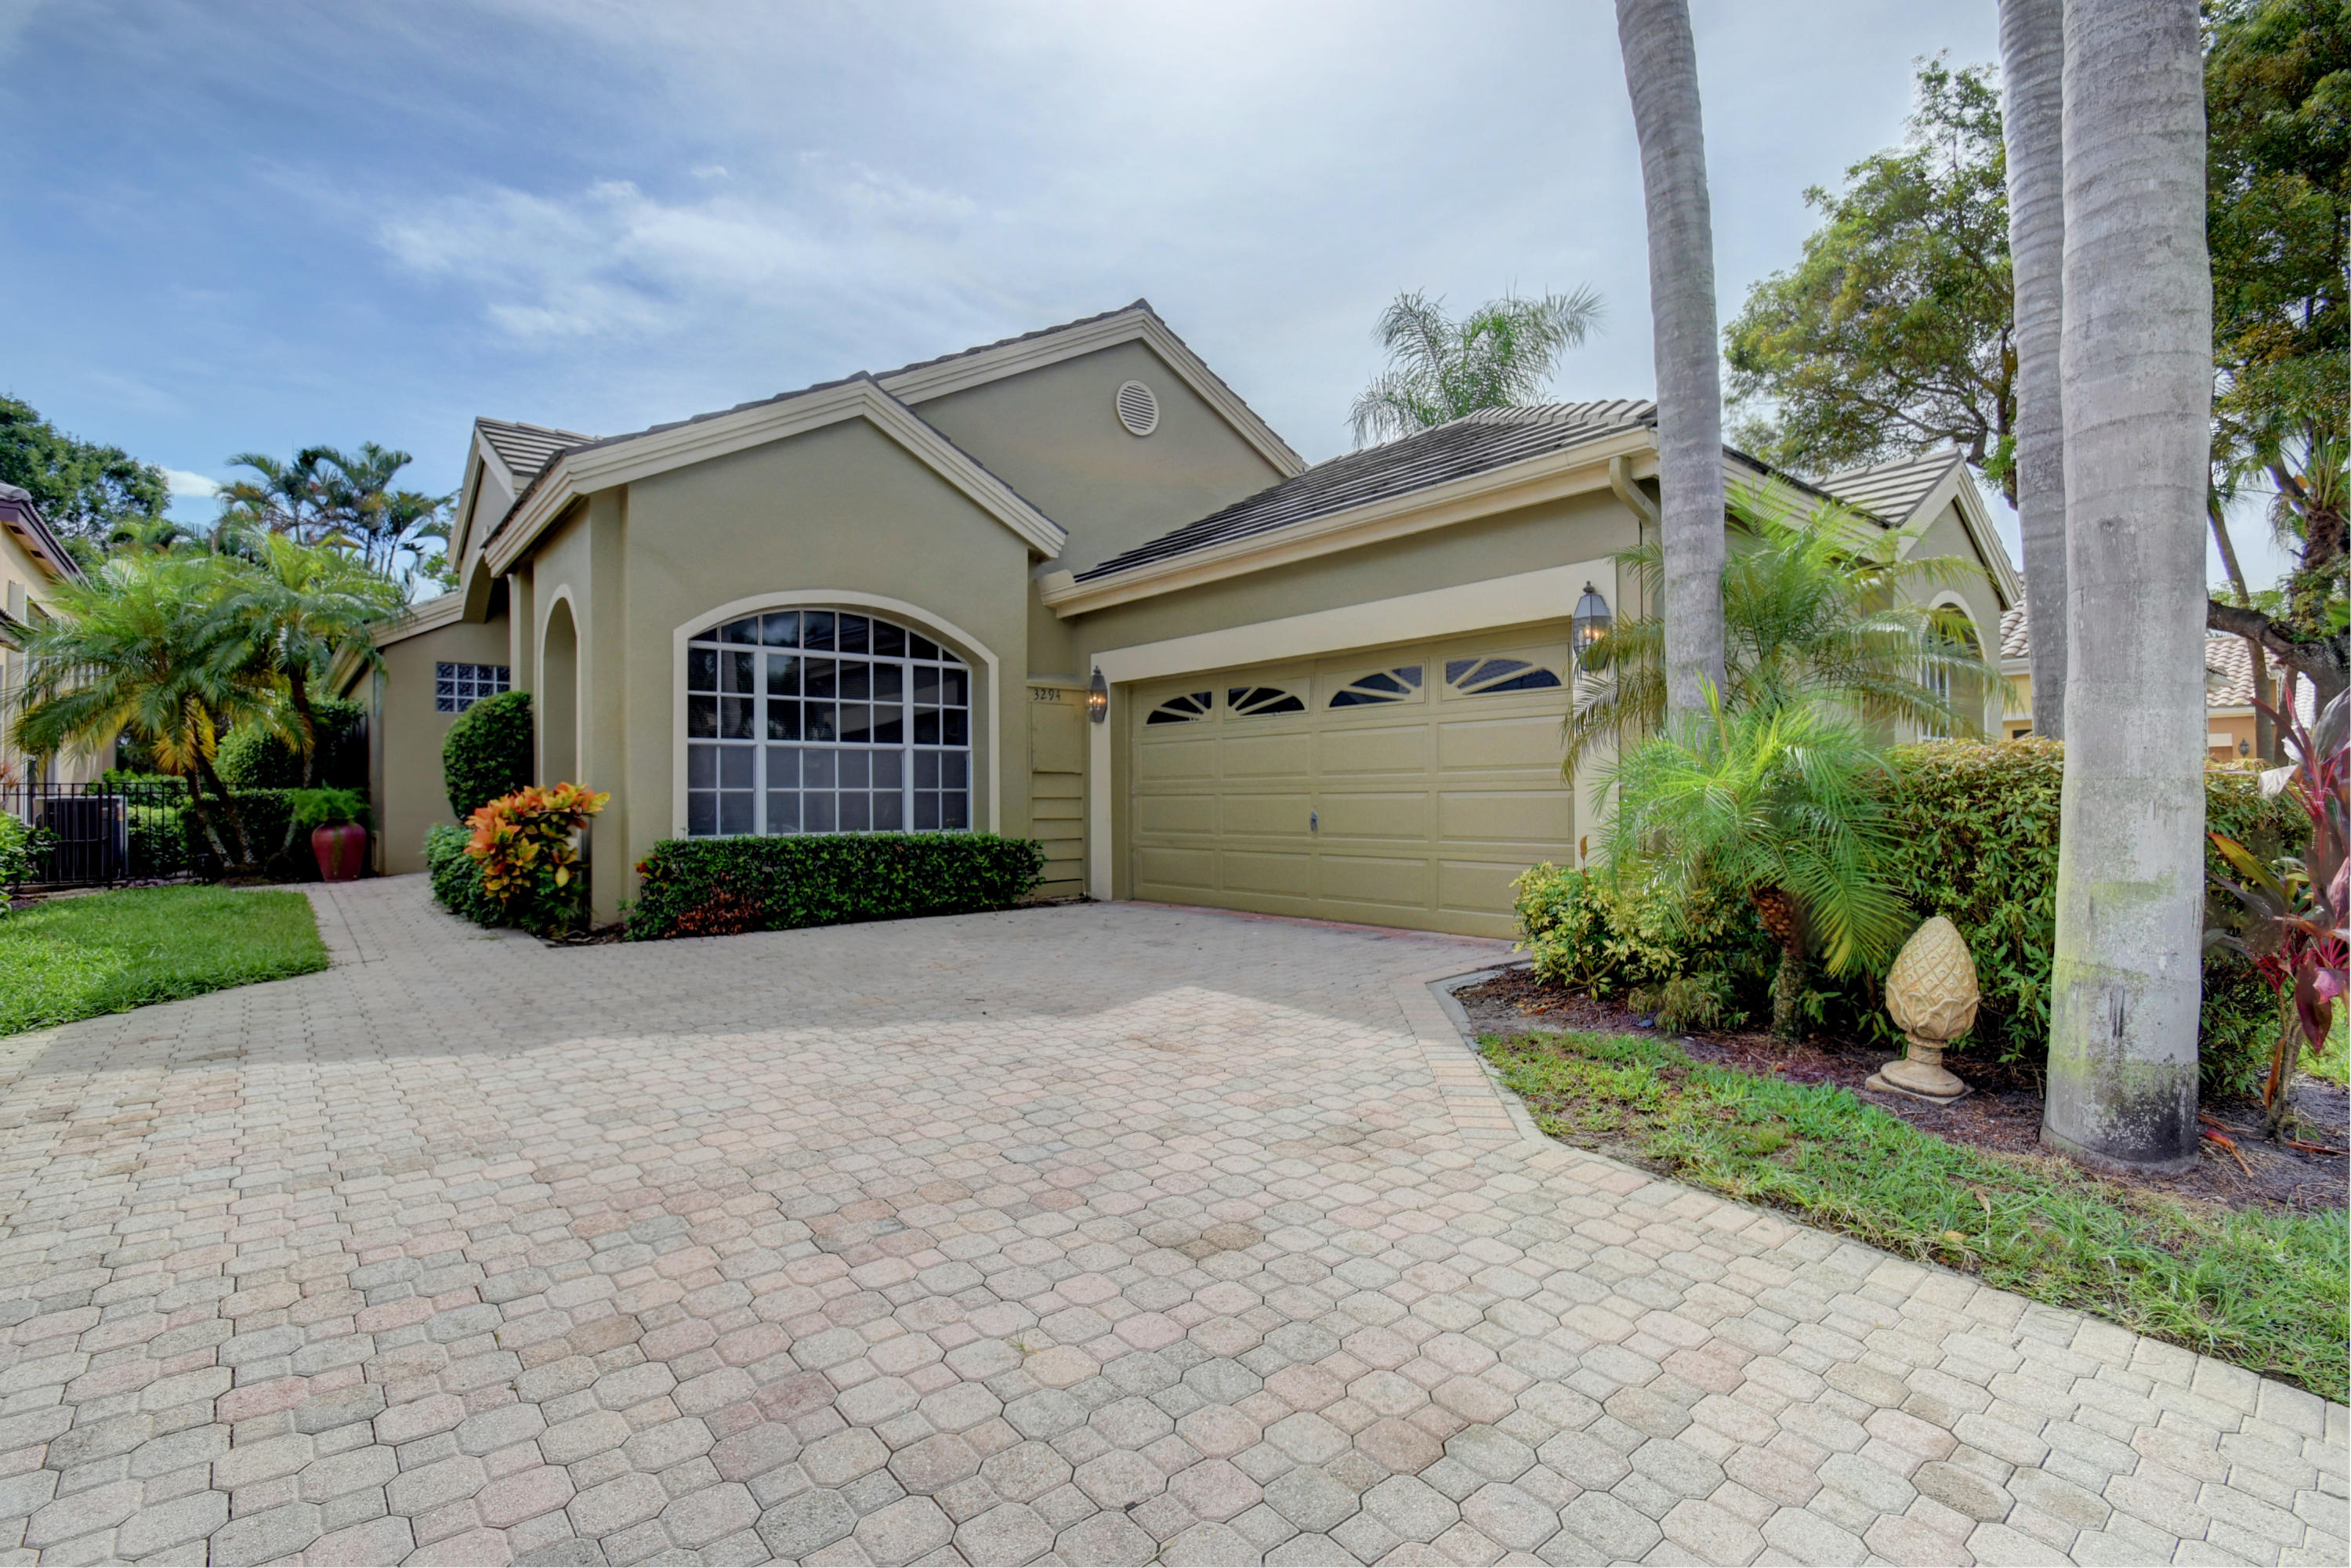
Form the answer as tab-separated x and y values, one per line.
255	226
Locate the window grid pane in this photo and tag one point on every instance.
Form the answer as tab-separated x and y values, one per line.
457	688
856	725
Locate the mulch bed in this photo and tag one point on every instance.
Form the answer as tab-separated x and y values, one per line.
2002	1114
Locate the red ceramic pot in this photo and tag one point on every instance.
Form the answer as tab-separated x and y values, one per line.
341	851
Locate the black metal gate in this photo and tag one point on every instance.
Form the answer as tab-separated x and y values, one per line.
82	832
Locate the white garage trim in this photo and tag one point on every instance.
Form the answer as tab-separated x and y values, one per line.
1546	595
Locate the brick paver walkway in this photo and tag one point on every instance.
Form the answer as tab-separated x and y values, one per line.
1083	1235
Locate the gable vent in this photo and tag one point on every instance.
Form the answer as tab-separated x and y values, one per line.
1138	410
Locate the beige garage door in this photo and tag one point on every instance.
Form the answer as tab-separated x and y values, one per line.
1406	786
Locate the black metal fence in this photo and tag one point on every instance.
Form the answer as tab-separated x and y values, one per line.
93	834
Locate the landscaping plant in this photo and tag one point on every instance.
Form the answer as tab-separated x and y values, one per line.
1817	606
1779	806
488	752
2287	916
717	887
457	876
526	844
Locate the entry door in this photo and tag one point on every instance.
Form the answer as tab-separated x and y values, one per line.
1398	787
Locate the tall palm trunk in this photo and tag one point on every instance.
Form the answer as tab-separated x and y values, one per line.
1661	71
2138	361
2032	71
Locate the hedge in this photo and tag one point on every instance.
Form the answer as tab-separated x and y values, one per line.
1977	826
266	814
457	876
711	887
253	758
488	752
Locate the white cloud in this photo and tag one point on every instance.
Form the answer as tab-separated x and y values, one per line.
187	487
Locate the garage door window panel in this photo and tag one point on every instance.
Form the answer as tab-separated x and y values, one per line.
1262	702
822	721
1493	676
1184	708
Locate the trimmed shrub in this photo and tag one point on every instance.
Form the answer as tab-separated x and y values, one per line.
158	840
457	876
488	752
715	887
1977	827
251	758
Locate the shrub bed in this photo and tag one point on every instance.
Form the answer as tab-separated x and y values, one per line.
712	887
457	876
1977	826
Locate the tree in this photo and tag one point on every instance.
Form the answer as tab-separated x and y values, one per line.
280	497
1779	805
1816	608
2126	980
1661	75
1498	355
302	607
2278	209
2033	64
1891	336
325	494
83	489
142	648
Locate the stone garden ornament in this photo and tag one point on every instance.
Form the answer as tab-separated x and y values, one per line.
1931	992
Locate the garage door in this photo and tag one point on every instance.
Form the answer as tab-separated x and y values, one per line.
1406	786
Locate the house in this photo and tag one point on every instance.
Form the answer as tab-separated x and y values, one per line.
32	561
2228	688
880	602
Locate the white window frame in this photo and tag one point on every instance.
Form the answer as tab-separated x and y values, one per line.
987	748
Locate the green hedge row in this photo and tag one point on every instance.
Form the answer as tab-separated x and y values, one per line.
711	887
457	876
1978	829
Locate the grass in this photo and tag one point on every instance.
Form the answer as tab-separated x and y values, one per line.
72	958
2334	1066
2265	1290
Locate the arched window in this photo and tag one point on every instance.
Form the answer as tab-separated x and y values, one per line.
1938	680
818	721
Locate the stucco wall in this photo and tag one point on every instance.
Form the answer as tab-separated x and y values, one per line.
1947	536
842	514
406	731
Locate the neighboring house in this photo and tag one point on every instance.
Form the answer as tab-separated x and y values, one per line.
879	603
2228	688
32	562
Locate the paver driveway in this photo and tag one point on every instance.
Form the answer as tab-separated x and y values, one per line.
1079	1235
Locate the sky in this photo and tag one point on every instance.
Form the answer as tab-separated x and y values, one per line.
255	226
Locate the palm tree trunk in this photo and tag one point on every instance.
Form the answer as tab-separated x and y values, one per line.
2264	727
2031	68
2137	359
1783	924
244	861
1661	72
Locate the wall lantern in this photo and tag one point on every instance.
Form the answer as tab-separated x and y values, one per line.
1591	621
1098	697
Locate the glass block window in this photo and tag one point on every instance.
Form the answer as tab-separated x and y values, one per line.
457	688
1183	709
1380	686
1485	677
818	721
1255	702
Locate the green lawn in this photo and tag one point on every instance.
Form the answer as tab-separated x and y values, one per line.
2265	1290
77	958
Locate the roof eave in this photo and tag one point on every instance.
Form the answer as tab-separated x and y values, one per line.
584	470
1568	471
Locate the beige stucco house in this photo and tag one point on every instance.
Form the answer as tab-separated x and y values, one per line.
2228	688
876	603
32	561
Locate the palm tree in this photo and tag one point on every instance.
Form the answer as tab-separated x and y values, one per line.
2032	72
1661	71
1498	356
2125	986
301	609
1779	805
357	502
144	647
283	497
1819	607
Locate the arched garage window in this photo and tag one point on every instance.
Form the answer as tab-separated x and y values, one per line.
818	721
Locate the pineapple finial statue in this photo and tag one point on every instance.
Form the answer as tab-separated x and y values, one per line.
1931	992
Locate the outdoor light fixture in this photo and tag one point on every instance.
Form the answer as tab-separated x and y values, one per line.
1592	620
1098	697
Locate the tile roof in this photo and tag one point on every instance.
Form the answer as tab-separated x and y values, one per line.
1473	443
1893	490
23	518
2228	664
526	449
